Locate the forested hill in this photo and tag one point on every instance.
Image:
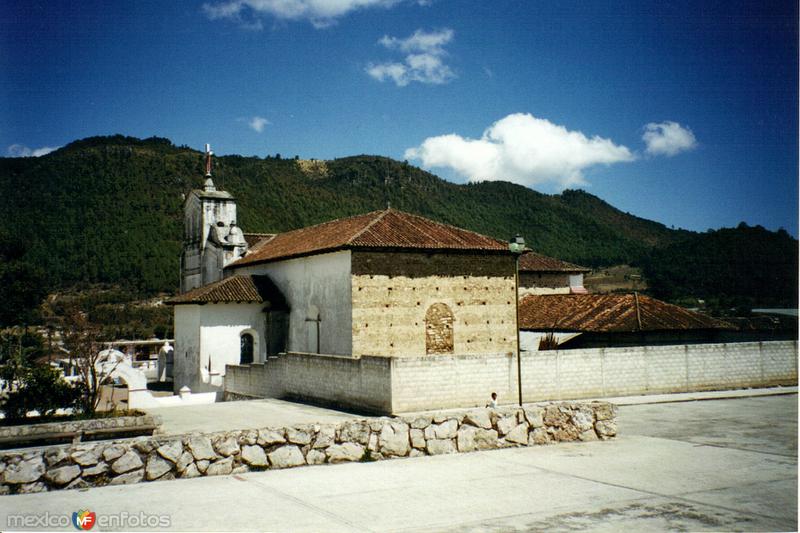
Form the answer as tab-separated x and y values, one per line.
109	209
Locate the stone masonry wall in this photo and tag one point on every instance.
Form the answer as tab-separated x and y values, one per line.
163	458
392	298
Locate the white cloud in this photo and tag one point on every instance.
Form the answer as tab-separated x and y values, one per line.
668	138
20	150
423	63
258	123
321	13
522	149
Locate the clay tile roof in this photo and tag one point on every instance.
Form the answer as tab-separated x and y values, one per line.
533	262
609	313
235	289
379	229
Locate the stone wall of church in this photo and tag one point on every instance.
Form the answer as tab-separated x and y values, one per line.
413	304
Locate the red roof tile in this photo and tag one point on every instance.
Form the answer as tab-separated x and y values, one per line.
533	262
379	229
235	289
609	313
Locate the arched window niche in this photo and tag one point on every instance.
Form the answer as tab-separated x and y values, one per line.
438	329
248	347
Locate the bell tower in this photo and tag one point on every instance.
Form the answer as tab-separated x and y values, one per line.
211	238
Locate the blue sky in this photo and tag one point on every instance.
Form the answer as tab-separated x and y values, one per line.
680	112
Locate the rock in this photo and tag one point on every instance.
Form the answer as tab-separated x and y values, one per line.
286	457
534	416
226	446
145	445
604	410
201	448
438	418
373	442
486	439
376	424
519	434
465	438
63	475
605	429
270	436
129	461
171	451
588	435
505	424
31	488
326	435
582	419
86	456
421	422
341	453
202	466
440	446
417	438
24	471
221	467
241	469
96	470
315	457
157	466
78	483
185	460
416	453
129	478
394	439
354	431
445	430
566	434
254	456
299	435
191	471
113	452
248	437
555	416
55	456
478	418
5	489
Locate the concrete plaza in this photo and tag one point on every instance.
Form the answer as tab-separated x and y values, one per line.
726	464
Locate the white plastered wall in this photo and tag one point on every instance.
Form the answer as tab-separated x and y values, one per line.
314	283
212	333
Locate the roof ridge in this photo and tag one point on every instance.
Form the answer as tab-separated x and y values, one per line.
368	226
465	230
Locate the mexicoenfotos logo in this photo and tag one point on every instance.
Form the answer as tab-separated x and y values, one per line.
84	520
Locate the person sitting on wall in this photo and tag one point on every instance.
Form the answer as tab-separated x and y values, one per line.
493	402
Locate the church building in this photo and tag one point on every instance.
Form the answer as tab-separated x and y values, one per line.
381	286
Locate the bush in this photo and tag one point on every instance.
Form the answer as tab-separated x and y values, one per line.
40	388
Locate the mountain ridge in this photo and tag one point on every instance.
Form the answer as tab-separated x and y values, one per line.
108	209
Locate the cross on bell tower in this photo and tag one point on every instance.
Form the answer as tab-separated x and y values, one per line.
208	186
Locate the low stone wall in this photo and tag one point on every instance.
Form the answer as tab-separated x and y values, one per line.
161	458
78	426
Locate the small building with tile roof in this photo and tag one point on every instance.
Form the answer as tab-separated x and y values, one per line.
603	320
540	274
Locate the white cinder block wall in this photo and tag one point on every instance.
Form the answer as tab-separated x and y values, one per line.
404	384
